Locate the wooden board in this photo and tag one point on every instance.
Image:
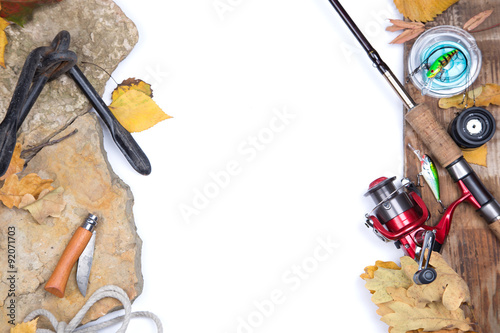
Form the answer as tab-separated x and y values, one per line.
471	249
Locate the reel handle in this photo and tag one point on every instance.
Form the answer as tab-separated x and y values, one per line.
426	274
449	155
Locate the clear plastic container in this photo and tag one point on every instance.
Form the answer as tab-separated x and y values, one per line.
458	74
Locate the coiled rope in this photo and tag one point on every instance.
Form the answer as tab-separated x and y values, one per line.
103	292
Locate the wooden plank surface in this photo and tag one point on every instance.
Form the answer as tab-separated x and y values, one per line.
471	248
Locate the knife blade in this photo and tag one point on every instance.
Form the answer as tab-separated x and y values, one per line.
84	265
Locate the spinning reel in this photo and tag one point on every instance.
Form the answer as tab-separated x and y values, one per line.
400	215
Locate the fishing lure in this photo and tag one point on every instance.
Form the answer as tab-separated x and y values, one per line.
430	174
440	63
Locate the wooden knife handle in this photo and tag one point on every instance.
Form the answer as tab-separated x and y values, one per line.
57	282
433	135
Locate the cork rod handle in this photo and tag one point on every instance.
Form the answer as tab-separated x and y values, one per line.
434	136
57	283
495	228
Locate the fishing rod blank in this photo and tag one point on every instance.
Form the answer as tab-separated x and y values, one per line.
432	134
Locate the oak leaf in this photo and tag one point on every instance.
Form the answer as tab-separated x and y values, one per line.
387	277
476	20
133	106
409	308
481	96
422	10
16	163
434	316
13	189
29	327
448	288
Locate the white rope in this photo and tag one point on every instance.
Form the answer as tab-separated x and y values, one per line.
103	292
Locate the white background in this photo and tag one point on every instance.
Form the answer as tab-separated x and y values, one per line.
223	76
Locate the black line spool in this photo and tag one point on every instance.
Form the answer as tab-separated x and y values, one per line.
472	128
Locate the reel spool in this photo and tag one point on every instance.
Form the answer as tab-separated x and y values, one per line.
472	128
399	215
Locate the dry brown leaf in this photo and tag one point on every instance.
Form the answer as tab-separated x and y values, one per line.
406	25
476	156
393	28
29	327
47	205
407	35
408	308
432	317
475	21
16	163
370	270
134	107
387	277
13	189
448	288
481	96
422	10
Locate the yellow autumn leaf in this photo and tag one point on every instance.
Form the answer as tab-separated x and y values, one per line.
134	108
16	163
387	277
476	156
29	327
410	308
422	10
13	190
432	317
481	96
132	84
448	288
3	39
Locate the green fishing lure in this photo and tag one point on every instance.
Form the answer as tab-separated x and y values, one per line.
441	62
430	174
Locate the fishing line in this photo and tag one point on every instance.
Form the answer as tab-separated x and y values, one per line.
105	71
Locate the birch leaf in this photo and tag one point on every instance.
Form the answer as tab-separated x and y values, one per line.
476	20
134	107
422	10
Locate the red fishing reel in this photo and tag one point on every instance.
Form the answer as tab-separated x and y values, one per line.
400	215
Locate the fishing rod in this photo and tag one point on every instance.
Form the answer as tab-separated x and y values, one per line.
437	140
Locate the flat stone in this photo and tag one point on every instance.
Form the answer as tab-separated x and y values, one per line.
90	186
100	34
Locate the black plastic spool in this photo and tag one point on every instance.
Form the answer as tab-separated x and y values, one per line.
472	128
